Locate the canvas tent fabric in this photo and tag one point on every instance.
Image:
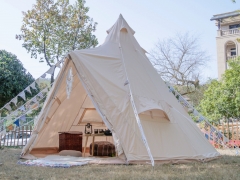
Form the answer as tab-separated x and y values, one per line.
115	86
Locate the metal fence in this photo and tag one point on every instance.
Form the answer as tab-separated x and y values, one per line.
16	138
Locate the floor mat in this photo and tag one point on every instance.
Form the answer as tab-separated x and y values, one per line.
58	161
52	163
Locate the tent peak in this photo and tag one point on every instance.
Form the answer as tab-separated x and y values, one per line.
120	24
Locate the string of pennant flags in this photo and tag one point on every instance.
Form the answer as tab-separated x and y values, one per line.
21	110
4	124
208	129
34	100
28	89
20	114
26	108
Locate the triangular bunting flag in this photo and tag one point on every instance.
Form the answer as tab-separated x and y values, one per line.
33	85
40	95
28	89
22	95
9	118
51	70
15	101
43	76
180	99
22	108
58	64
15	113
195	112
8	107
34	99
171	89
201	118
37	81
22	118
17	123
45	90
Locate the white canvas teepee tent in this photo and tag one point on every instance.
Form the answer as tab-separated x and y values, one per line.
115	85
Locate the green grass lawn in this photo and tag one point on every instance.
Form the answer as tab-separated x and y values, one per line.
226	167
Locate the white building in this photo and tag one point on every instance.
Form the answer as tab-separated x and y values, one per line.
228	38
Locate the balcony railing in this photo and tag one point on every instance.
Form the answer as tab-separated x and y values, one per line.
231	57
231	31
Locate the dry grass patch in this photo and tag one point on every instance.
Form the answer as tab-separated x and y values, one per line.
227	167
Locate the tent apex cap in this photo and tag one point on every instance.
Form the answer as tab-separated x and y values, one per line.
121	23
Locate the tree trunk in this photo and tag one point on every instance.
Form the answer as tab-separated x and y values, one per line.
52	76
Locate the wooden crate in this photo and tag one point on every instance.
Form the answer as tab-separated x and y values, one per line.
71	140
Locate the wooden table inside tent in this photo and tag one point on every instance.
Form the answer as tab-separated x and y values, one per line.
93	140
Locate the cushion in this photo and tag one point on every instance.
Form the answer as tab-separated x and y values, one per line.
70	153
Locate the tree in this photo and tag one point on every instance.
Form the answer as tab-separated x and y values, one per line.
13	77
179	60
207	105
222	98
51	29
196	94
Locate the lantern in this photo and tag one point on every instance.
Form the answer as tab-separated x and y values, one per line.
88	128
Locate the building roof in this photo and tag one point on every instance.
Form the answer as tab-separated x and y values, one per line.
225	15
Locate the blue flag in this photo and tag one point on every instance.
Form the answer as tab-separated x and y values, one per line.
16	122
23	118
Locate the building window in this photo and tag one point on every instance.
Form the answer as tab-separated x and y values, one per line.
234	26
233	51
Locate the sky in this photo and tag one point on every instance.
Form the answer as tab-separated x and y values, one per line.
152	20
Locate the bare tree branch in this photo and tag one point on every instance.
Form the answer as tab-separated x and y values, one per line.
179	60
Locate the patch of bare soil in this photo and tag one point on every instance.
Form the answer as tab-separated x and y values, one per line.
226	167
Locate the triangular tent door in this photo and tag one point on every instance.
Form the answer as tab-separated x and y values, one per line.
115	86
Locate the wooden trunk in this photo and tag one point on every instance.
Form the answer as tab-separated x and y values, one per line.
71	140
103	148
